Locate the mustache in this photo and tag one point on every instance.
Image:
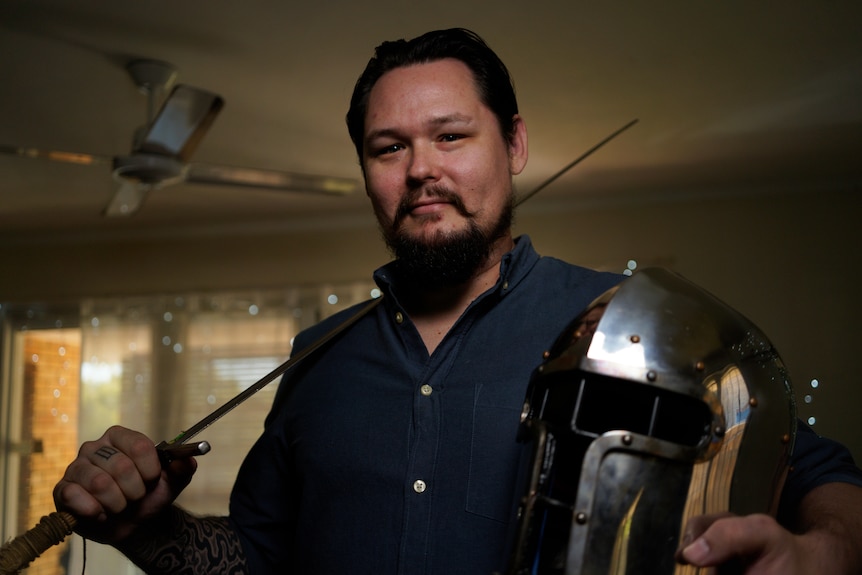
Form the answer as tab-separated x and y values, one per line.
405	206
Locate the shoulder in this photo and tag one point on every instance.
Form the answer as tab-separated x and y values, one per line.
550	295
331	323
556	272
561	275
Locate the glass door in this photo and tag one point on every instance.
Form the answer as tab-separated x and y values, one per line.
40	358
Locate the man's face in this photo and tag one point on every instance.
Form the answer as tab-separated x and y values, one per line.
435	160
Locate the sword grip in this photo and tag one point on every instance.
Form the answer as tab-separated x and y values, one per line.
22	550
170	451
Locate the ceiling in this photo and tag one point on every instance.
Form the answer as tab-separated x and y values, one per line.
732	97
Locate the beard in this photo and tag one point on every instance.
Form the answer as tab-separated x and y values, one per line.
446	259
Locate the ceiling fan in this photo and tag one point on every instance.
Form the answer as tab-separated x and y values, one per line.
162	148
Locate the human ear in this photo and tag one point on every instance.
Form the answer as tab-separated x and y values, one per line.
518	146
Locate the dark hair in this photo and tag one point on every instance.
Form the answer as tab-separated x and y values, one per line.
492	79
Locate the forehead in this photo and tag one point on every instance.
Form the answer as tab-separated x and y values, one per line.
422	87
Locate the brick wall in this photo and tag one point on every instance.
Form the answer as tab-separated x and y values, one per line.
50	418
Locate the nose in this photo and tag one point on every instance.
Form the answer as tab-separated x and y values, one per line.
423	166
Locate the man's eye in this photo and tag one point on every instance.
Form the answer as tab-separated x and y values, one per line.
390	149
451	137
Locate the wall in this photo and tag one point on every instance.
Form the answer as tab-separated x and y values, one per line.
787	261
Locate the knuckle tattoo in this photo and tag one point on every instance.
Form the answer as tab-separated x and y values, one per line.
106	452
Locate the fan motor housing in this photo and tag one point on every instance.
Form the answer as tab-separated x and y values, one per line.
148	169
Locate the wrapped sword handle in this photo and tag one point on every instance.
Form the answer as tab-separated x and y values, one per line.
18	553
53	528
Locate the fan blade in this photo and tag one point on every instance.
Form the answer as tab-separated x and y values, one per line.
127	199
57	156
185	116
270	179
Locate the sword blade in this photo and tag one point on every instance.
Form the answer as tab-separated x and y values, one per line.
192	431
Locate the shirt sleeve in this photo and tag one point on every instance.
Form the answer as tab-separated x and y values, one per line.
262	504
815	461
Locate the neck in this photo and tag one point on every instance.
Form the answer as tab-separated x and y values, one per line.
435	311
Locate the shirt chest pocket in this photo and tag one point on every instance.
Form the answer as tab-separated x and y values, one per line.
494	461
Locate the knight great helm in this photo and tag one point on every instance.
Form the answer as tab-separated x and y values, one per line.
658	403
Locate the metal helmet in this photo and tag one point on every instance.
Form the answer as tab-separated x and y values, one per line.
657	403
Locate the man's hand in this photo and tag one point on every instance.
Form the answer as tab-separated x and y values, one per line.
117	482
828	541
757	543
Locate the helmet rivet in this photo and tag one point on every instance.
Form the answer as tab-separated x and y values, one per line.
719	431
651	376
635	339
546	355
627	439
581	517
699	366
752	402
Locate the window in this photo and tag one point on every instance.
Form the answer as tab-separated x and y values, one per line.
156	364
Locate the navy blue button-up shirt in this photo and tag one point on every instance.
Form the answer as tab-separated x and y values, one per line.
380	459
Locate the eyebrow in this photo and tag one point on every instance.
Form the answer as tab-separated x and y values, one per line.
455	118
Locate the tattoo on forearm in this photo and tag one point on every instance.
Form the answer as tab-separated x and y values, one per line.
188	545
106	452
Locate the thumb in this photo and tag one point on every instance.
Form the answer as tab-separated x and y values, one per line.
178	473
694	529
728	538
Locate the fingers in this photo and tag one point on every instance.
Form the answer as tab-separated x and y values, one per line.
117	483
752	538
119	467
136	447
72	497
696	525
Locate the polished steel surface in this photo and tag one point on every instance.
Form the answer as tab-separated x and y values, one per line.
656	404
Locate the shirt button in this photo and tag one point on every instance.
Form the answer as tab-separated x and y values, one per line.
419	486
399	317
426	390
505	285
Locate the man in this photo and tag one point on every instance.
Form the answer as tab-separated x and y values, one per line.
393	450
